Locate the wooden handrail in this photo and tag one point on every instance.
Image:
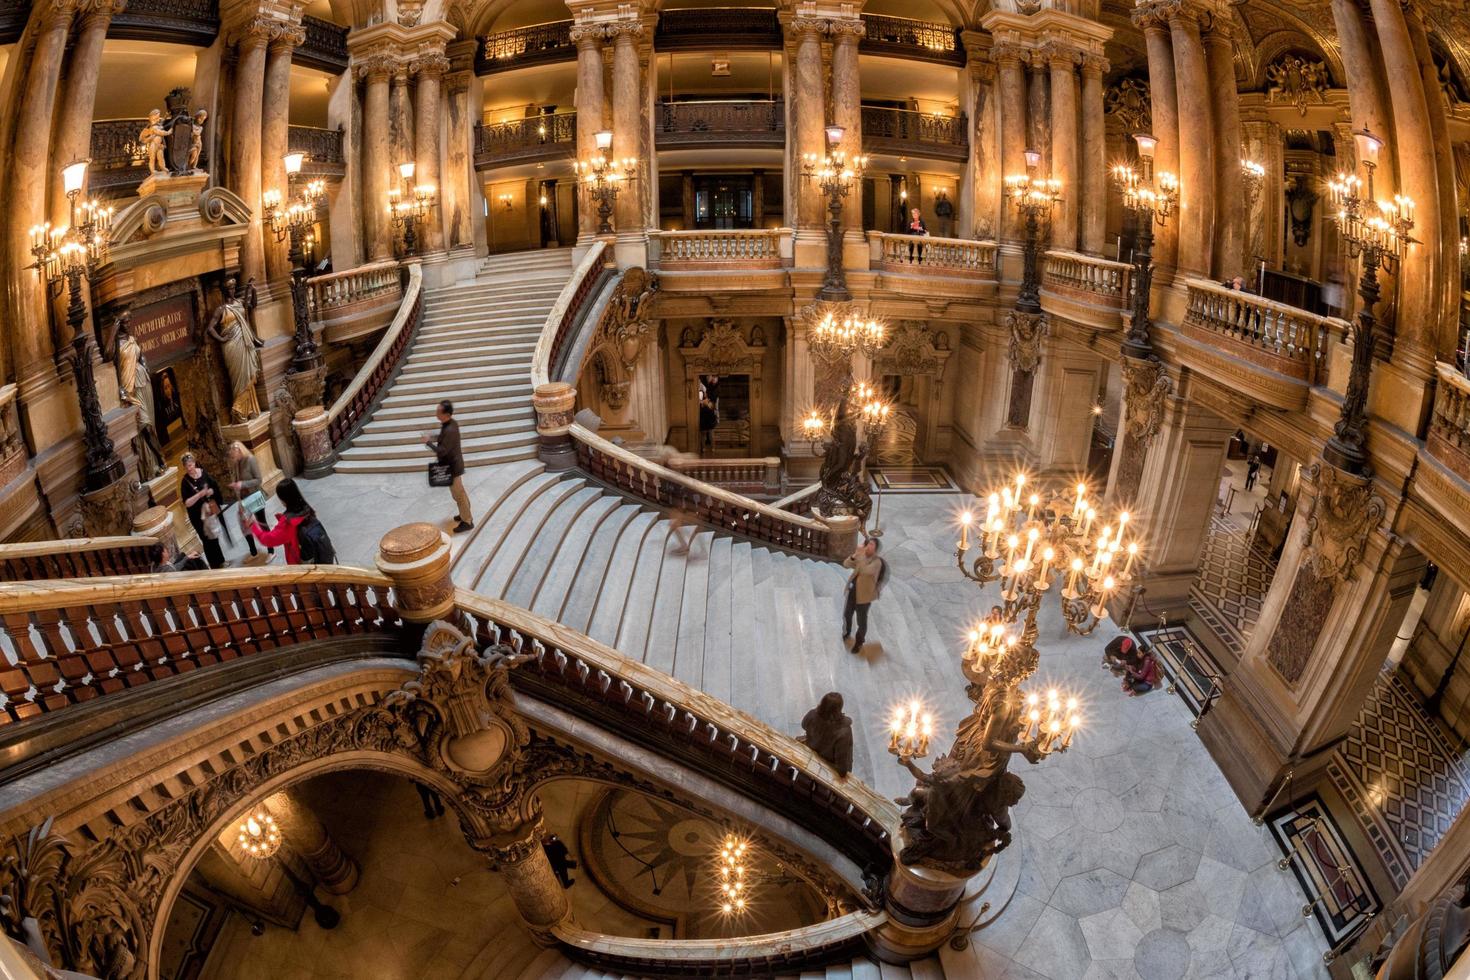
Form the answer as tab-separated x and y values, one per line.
353	407
69	558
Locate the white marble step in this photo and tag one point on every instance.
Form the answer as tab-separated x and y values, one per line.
491	531
714	633
370	464
469	411
542	584
498	353
501	393
406	433
637	619
592	568
514	302
450	379
609	596
401	444
551	510
665	615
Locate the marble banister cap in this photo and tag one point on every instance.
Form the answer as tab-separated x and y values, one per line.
409	543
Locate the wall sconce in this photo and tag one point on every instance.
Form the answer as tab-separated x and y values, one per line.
506	200
543	199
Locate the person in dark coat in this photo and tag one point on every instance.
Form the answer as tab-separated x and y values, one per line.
829	733
915	226
560	859
447	449
709	411
197	487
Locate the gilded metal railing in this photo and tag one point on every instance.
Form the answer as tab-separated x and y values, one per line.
910	133
905	38
325	47
1099	281
744	123
718	29
537	44
765	248
320	145
1282	338
544	137
942	256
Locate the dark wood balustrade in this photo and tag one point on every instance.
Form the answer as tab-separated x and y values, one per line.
900	37
325	48
907	133
539	44
720	123
535	138
75	558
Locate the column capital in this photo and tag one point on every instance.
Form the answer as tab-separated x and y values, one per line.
1094	66
803	26
625	31
375	67
846	30
1009	54
588	35
257	32
95	12
429	62
981	69
1154	14
400	72
55	14
1059	55
457	82
287	37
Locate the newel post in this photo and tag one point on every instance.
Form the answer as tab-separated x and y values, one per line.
555	404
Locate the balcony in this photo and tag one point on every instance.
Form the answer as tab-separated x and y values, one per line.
932	256
353	304
717	28
1086	289
170	21
541	44
325	48
323	149
745	249
531	140
721	124
1449	427
900	37
1265	350
902	132
117	158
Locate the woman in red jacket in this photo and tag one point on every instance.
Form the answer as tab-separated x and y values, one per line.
284	534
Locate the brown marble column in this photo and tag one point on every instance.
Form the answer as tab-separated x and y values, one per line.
274	140
304	832
1447	334
1010	61
83	64
400	122
378	170
1196	145
245	134
627	103
1064	151
1367	91
459	163
1094	162
430	67
1038	105
811	113
977	206
847	111
1230	202
1164	101
590	120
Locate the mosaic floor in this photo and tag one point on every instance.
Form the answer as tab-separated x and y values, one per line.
1232	583
1397	771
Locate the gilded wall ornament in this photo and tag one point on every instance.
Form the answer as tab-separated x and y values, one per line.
1294	80
1146	388
1129	102
622	334
913	349
1027	331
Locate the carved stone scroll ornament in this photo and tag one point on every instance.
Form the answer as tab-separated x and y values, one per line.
913	349
1297	81
1146	389
1345	512
1131	104
1027	331
622	334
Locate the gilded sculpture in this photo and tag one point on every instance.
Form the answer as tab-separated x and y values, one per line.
151	140
135	387
622	334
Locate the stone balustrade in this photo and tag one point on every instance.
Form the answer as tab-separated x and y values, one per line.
930	254
356	302
739	475
758	248
1281	338
1087	277
1449	426
31	561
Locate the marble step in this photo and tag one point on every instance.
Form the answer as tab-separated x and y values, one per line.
637	618
516	302
592	573
715	632
502	392
607	598
373	434
453	379
469	411
518	352
487	333
492	529
545	580
666	611
402	443
545	517
353	464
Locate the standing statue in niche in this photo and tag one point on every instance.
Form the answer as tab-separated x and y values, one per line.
230	327
135	387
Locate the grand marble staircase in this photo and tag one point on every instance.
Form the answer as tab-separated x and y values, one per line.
474	348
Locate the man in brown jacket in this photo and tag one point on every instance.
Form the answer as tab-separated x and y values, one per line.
446	448
863	586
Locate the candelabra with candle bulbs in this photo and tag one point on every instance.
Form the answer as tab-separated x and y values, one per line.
1034	198
1150	197
909	730
65	257
260	838
836	175
839	330
730	869
601	176
294	222
1376	232
409	204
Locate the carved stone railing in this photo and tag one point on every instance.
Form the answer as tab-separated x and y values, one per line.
721	123
355	303
535	138
1087	277
323	149
355	406
940	256
761	475
907	133
718	29
325	47
1449	427
924	40
568	312
71	641
750	248
536	45
75	558
171	21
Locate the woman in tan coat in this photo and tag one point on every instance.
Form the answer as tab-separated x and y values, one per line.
863	586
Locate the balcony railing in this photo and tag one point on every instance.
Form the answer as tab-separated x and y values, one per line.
717	28
535	138
907	133
753	248
736	475
1449	426
75	558
321	146
171	21
117	157
353	304
714	124
325	48
1273	335
1086	277
940	256
904	38
536	45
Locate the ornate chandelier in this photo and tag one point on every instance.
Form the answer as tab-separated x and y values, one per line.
841	331
259	836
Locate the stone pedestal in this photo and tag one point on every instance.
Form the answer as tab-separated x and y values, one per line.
317	454
157	523
922	906
416	558
163	490
108	511
308	388
255	433
555	404
843	537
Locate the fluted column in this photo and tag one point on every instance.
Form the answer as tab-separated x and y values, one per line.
1094	161
1230	202
847	109
1009	61
1064	154
377	168
430	67
1196	145
274	139
627	108
811	114
1164	104
245	132
590	98
83	64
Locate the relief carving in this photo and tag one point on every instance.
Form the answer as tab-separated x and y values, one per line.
1298	81
1146	388
1345	512
622	334
1130	103
913	349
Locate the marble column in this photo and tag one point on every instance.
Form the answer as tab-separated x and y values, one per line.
977	208
30	334
1196	215
811	114
1038	105
379	173
83	65
1009	61
847	112
333	868
274	139
1164	102
1447	334
627	103
400	123
459	162
1367	91
430	67
1094	159
590	119
538	895
1064	150
1230	202
245	134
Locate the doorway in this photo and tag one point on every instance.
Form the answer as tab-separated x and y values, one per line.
724	203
